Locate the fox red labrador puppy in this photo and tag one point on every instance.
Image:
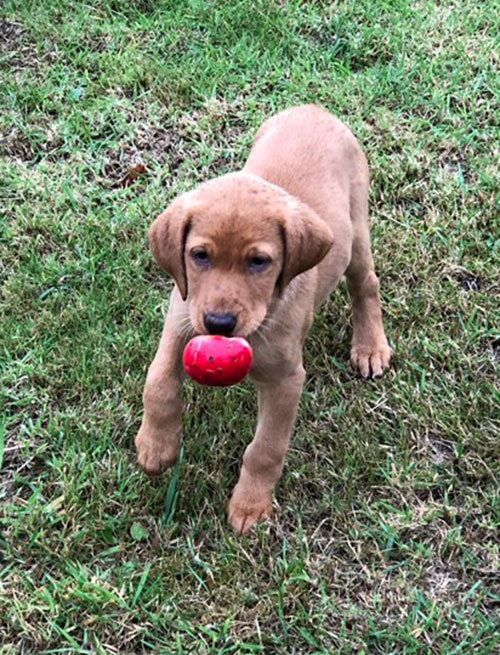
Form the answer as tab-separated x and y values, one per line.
253	254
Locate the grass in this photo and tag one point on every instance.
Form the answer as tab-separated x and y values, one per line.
385	538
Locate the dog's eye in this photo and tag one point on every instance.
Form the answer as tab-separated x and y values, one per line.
200	257
258	263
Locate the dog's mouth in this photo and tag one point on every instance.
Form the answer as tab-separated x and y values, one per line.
243	334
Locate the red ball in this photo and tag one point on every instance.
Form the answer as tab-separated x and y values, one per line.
217	361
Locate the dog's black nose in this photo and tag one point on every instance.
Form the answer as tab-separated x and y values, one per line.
220	323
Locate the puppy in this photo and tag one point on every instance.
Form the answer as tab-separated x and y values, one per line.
253	254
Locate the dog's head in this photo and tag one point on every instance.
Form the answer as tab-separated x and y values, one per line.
232	245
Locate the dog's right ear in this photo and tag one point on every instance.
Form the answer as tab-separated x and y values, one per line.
167	239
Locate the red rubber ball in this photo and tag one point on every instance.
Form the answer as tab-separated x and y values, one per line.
217	361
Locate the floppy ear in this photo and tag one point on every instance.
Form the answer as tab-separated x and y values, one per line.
306	240
167	240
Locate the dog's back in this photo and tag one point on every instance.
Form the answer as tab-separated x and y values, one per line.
309	153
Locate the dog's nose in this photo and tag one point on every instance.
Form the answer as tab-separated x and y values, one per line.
220	322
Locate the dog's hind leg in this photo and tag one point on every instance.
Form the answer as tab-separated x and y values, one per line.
370	352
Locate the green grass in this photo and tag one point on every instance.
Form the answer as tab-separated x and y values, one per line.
385	538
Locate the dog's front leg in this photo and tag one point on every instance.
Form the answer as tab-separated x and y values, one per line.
265	456
158	439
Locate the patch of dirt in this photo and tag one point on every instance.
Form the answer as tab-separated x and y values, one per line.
18	146
160	145
16	50
467	280
11	35
442	451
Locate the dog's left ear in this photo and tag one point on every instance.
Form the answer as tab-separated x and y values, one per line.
306	240
167	239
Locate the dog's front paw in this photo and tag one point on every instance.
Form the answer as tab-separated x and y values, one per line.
371	360
244	511
155	454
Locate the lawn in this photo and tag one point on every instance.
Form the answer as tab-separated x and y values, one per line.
385	535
